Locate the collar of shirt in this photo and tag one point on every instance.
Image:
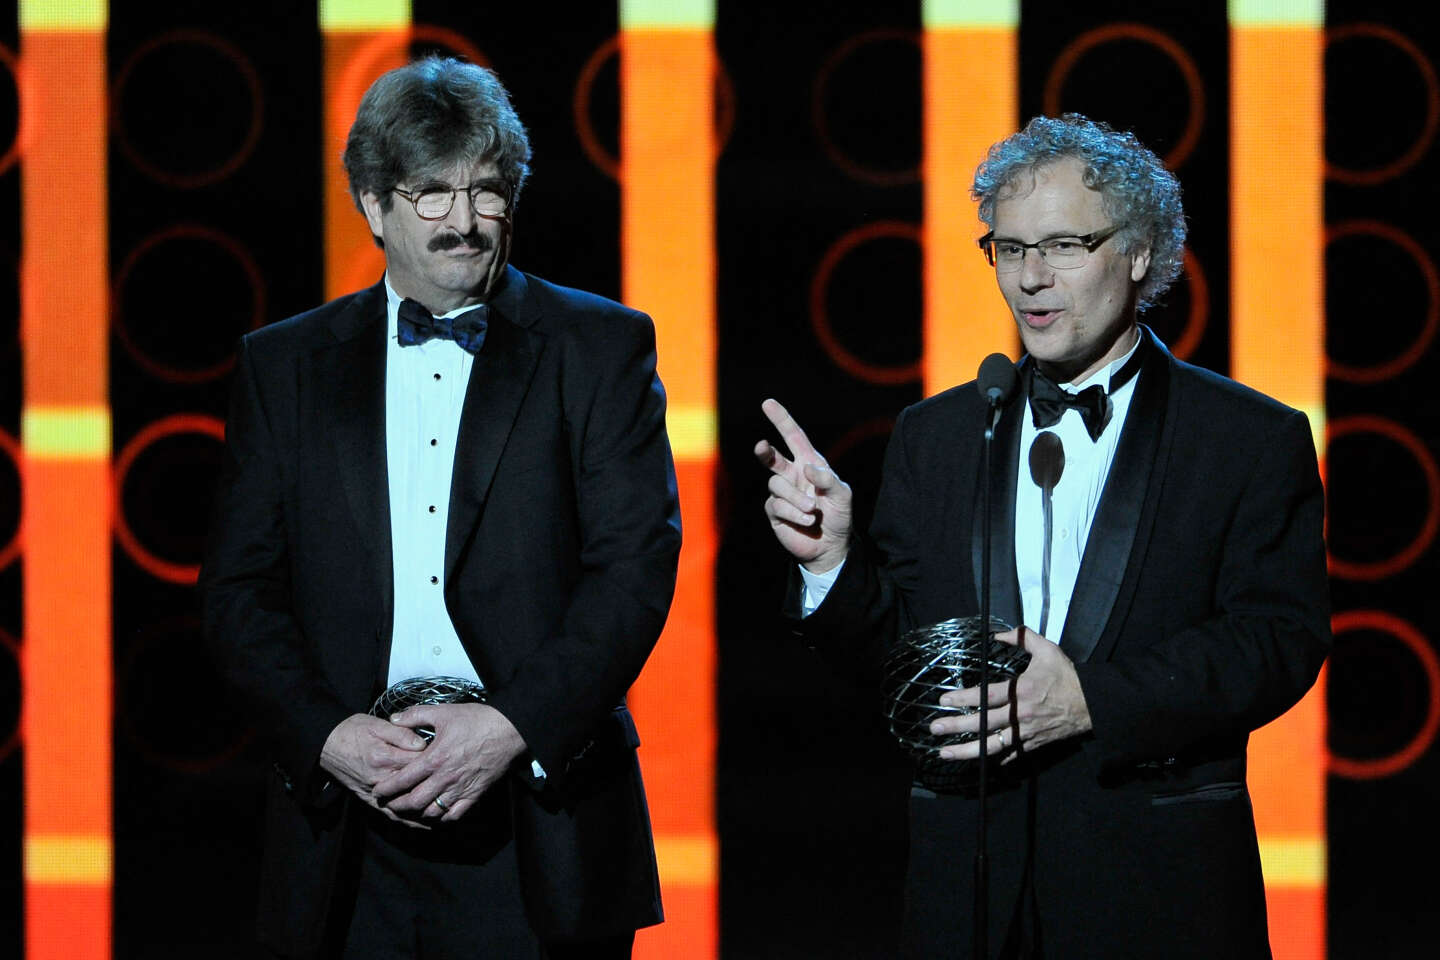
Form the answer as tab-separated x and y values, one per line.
1074	500
392	319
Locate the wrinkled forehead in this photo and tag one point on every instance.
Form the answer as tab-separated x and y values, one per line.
1057	188
457	173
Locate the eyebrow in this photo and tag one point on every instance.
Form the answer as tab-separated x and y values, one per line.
437	182
1075	234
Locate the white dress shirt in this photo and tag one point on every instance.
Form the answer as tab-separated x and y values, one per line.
424	394
1074	499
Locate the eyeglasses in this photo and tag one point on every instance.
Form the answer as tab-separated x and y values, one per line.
488	198
1062	253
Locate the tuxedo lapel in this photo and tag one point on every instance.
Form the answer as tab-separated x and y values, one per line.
499	380
1004	583
1120	532
351	398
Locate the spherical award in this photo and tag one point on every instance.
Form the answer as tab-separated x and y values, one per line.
418	690
926	663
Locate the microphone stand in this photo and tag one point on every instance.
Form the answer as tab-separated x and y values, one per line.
982	867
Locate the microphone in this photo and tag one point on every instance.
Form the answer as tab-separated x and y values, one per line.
1047	463
997	380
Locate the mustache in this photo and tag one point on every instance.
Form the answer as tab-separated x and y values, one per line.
480	242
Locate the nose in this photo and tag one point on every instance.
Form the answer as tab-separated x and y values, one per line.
462	214
1035	272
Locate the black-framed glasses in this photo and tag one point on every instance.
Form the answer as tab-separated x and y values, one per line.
1062	253
488	198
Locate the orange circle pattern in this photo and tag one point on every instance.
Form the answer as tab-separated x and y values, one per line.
1199	314
1378	372
242	63
819	316
595	151
11	550
12	152
125	724
184	232
1417	746
1090	39
852	168
185	574
1407	555
7	745
365	65
1408	159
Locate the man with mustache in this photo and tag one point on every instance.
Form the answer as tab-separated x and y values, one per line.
458	479
1172	595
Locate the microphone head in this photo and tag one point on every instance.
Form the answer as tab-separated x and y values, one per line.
1047	459
997	380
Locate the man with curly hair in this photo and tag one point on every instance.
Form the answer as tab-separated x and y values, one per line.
1170	585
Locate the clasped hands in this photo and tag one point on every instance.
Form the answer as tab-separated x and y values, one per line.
392	769
1043	705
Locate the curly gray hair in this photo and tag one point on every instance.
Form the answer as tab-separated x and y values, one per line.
421	119
1136	188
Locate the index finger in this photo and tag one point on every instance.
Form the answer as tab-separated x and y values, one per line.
790	431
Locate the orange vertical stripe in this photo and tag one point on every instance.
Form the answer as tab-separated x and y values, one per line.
1297	922
965	317
667	208
65	659
66	922
668	263
675	694
66	654
353	61
64	274
1287	780
1277	346
1277	334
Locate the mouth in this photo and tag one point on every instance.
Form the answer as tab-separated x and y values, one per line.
1038	319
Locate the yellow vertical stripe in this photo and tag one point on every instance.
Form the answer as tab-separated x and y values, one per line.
338	16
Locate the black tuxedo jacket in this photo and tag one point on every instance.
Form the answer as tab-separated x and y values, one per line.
1201	612
560	559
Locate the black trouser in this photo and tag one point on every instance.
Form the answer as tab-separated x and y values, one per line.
449	893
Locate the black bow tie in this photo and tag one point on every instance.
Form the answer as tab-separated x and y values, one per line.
1048	404
415	325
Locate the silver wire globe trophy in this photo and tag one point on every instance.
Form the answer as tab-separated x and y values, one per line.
926	663
417	690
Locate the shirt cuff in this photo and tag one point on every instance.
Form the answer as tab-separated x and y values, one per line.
817	585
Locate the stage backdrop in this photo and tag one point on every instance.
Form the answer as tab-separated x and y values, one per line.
784	187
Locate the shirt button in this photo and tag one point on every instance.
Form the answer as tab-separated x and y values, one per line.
437	376
433	441
432	508
434	579
435	650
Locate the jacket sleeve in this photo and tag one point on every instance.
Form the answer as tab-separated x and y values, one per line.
250	627
628	516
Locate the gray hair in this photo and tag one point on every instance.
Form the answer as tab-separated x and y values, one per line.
1135	187
424	118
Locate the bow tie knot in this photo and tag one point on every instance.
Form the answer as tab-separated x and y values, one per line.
415	325
1048	404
